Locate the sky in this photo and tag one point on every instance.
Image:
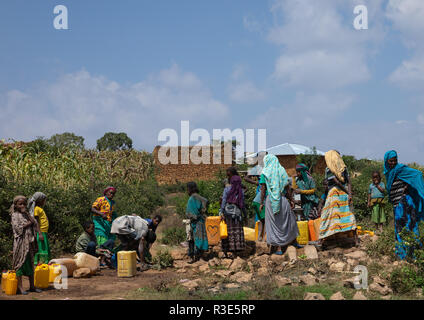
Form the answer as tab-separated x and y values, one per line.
297	68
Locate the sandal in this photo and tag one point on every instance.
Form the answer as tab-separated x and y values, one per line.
278	253
35	290
22	292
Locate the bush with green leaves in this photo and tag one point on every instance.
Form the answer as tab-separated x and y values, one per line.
162	259
173	236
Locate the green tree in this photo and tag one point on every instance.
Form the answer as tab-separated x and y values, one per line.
68	140
309	159
114	141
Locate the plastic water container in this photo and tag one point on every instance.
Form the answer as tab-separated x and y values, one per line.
84	260
67	263
3	279
303	237
127	263
317	223
42	276
223	231
249	234
212	230
11	285
55	270
311	228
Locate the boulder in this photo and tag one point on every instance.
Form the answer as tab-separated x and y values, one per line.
204	268
311	252
82	273
276	259
223	273
226	262
241	277
179	254
337	267
262	261
237	264
292	253
221	255
312	271
282	281
191	285
214	262
261	248
380	286
232	286
358	255
263	271
352	262
313	296
359	296
308	280
337	296
179	264
331	261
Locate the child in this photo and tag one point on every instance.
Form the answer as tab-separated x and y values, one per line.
25	228
375	200
87	243
35	208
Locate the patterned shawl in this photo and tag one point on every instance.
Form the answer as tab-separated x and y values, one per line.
38	196
235	194
276	179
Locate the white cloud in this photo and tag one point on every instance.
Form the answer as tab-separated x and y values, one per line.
320	46
245	92
420	119
410	74
92	105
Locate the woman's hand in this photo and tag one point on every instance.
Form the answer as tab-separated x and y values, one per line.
261	207
350	198
297	191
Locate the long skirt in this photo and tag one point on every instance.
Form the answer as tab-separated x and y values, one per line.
199	242
102	230
281	228
43	254
405	218
27	268
337	217
235	240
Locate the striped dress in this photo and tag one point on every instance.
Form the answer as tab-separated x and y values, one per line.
337	218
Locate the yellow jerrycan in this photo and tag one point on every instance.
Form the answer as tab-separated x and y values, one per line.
127	263
41	276
303	237
55	270
11	285
212	230
223	231
249	234
4	279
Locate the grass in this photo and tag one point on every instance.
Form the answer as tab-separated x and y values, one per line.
298	293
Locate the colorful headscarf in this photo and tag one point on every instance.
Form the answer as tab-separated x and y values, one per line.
335	163
304	170
38	196
413	177
107	189
235	194
276	179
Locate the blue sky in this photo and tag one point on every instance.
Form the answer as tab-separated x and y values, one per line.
296	68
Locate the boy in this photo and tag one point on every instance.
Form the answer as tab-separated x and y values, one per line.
375	200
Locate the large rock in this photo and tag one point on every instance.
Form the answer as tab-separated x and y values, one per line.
313	296
359	296
263	271
214	262
311	252
358	255
191	285
241	277
232	286
380	286
282	281
223	273
331	261
226	262
237	264
179	254
261	248
292	253
261	261
82	273
312	271
204	268
337	296
308	280
180	264
352	262
337	267
277	259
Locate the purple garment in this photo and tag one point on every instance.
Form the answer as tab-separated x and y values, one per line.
235	195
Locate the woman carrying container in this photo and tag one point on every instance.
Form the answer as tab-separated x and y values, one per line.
233	211
196	212
104	214
305	186
25	228
280	222
338	223
405	187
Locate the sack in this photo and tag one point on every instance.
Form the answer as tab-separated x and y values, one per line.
232	210
223	231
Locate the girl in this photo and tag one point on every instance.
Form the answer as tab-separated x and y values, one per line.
305	186
195	211
259	215
375	200
25	228
35	208
233	197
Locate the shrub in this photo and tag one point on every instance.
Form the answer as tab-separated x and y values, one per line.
163	259
403	279
173	236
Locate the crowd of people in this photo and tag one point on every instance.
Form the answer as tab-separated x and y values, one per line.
273	205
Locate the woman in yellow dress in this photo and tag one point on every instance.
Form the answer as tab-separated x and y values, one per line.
103	210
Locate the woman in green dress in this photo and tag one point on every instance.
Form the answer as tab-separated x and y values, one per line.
305	186
103	210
